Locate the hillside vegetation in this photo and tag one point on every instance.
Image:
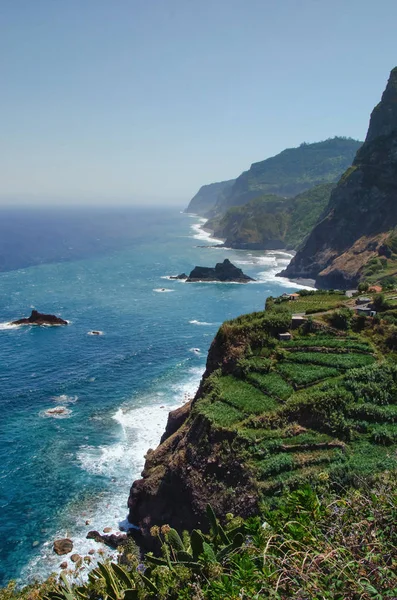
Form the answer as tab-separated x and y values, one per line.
292	171
287	174
271	222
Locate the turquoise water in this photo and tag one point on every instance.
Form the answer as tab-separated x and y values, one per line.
58	472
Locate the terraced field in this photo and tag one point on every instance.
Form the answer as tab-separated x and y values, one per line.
319	406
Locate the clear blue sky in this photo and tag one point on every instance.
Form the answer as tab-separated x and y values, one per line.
142	100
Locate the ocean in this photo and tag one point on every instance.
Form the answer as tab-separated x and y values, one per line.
104	270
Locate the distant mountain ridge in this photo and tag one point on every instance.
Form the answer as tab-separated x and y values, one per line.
362	215
287	174
207	197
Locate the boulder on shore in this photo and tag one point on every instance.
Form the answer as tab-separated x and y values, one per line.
37	318
226	272
63	546
114	540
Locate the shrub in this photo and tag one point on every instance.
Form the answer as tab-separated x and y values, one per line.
341	318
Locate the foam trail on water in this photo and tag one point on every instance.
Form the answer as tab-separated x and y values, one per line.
140	424
7	326
200	234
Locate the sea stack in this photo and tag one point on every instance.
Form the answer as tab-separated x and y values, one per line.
37	318
224	272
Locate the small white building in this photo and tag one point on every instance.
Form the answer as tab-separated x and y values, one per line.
284	337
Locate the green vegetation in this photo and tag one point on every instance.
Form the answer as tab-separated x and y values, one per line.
271	221
272	384
302	375
243	396
315	543
293	171
326	380
339	361
311	302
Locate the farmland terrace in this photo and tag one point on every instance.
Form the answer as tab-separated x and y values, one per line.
271	414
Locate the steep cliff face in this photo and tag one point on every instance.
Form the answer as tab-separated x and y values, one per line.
207	197
362	209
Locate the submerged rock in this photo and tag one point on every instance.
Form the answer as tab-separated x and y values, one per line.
63	546
225	271
37	318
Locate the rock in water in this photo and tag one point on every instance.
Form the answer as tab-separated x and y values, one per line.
63	546
37	318
75	557
225	271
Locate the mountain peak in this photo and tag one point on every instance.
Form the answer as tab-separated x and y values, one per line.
384	116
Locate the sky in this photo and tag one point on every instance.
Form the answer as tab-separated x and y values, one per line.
144	101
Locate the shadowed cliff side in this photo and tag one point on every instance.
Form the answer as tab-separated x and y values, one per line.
362	210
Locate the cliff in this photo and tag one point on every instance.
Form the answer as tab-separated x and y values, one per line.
207	197
273	413
362	211
271	222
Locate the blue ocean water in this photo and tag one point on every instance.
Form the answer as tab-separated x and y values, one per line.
101	270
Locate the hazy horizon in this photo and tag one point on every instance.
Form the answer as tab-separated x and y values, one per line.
141	103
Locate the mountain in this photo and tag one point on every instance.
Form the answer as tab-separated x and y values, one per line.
356	239
271	222
207	197
292	171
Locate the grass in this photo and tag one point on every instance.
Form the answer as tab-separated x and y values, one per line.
243	396
272	384
305	374
220	414
320	342
337	361
316	302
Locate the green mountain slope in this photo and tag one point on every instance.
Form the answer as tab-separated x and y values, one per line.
272	222
292	171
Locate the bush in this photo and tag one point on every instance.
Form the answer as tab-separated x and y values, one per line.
341	318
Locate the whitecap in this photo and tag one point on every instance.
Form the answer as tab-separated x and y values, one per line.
195	350
200	234
95	332
140	428
195	322
65	399
162	290
6	326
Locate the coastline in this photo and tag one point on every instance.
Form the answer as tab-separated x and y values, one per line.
130	441
206	234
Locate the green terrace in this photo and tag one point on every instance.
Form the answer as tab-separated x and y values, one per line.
321	405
